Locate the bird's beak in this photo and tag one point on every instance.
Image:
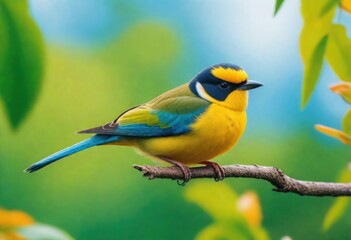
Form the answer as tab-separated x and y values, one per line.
249	84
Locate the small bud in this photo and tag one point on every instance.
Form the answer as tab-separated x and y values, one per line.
343	89
349	166
249	206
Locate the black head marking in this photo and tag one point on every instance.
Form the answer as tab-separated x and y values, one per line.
215	87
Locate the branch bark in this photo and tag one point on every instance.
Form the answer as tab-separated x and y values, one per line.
275	176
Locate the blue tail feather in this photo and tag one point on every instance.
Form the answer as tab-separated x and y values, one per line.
91	142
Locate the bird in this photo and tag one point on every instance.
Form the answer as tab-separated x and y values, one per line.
188	125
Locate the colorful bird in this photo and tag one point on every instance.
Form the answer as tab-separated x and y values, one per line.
187	125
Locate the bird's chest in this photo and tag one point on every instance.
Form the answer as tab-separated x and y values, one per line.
219	128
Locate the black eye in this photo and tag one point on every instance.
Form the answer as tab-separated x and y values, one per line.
223	85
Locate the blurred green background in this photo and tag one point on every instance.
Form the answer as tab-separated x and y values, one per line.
102	57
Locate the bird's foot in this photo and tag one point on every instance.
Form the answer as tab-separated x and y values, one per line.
217	168
186	171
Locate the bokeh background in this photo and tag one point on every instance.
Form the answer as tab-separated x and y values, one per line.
102	57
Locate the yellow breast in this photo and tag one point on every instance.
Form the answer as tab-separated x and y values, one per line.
214	132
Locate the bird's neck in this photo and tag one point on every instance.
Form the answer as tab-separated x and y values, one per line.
237	101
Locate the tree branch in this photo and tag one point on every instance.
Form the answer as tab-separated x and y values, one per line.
275	176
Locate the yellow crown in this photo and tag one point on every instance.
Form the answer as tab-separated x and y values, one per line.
229	74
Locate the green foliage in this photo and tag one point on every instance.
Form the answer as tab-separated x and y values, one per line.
314	47
312	71
310	11
346	123
335	212
278	5
339	206
339	52
329	6
43	232
313	41
21	59
220	202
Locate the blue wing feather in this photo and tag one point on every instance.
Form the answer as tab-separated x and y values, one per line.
169	124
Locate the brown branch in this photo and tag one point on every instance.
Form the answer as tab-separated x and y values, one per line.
275	176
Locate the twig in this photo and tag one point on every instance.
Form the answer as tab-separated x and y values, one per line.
275	176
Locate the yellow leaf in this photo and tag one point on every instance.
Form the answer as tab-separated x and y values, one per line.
249	206
313	41
14	219
311	10
343	89
335	212
312	70
315	27
11	236
346	5
331	4
339	52
332	132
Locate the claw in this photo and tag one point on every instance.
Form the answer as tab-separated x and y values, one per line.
217	168
186	171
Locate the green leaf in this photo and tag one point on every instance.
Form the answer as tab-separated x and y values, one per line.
260	233
313	36
329	6
278	5
208	195
311	10
43	232
339	52
336	211
231	230
313	69
222	232
21	60
346	123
